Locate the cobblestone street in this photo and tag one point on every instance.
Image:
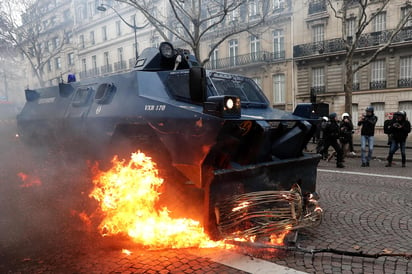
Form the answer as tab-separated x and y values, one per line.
366	210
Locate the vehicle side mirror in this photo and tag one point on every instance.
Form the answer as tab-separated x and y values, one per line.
197	84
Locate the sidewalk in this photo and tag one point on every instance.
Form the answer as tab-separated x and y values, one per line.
381	148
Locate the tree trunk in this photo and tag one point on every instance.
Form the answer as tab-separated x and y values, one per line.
348	87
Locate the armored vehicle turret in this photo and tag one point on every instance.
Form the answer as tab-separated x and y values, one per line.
215	131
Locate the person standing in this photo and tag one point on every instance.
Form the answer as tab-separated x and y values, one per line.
331	135
320	147
399	129
346	131
368	122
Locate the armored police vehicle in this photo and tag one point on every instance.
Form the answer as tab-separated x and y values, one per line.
215	130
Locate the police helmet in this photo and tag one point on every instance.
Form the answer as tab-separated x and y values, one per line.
370	108
345	115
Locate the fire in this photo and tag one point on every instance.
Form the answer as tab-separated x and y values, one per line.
127	252
127	196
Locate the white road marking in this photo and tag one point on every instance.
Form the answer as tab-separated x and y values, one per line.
242	262
365	174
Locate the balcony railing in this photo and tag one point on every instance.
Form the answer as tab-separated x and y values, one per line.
120	65
106	69
245	59
405	83
93	72
364	41
317	6
132	62
377	84
356	86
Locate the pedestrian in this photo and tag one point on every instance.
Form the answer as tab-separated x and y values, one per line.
398	128
331	135
320	146
368	122
346	132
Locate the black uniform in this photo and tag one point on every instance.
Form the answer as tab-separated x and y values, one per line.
331	135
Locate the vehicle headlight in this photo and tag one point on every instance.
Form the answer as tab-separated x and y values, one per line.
223	106
229	103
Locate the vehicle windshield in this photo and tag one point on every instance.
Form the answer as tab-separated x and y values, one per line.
246	89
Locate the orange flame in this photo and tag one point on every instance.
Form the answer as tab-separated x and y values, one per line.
127	196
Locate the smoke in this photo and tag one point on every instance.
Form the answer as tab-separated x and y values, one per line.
39	191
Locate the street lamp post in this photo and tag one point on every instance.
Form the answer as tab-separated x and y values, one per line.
102	8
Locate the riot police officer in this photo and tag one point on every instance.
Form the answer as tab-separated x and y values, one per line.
331	135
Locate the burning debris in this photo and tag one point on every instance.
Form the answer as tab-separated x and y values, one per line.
129	191
127	196
265	214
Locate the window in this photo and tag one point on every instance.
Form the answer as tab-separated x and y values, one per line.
278	44
81	38
407	107
318	33
279	88
92	41
379	22
351	27
104	33
405	67
56	42
69	37
94	62
233	15
58	63
405	72
80	13
233	52
258	81
278	4
120	54
378	74
318	77
254	47
118	28
379	111
404	11
253	8
84	66
106	58
91	9
49	66
70	59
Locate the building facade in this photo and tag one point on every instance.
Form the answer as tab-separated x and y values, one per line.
297	51
264	53
48	38
319	55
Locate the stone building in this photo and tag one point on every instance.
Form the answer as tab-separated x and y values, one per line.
319	53
296	52
264	53
47	39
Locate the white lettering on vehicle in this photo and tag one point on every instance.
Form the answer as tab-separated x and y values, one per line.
155	107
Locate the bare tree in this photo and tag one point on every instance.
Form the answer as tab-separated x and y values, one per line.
39	35
361	13
191	21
